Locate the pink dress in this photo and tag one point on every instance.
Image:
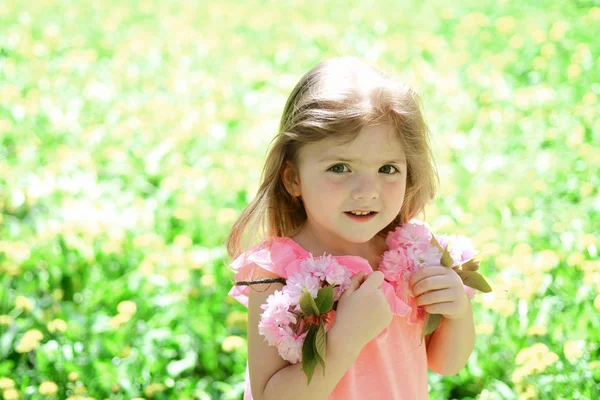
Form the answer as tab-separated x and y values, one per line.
392	366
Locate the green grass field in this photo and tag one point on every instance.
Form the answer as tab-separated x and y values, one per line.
132	134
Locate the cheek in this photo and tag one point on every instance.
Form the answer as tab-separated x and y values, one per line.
395	191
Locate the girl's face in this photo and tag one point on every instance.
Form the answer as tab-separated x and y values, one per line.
367	174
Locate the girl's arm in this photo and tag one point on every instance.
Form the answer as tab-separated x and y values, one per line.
271	377
451	344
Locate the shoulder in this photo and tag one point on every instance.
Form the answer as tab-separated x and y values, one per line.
269	259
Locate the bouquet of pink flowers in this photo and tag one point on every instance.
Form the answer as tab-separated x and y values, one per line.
296	317
412	247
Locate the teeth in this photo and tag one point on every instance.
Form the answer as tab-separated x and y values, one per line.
360	213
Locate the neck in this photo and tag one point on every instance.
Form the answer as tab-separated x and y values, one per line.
318	242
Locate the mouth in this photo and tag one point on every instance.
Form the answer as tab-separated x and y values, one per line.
361	218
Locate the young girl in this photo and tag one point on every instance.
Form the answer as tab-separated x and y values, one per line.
351	162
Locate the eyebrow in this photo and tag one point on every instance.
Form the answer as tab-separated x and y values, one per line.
334	158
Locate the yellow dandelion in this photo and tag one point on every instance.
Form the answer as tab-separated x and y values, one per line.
33	334
178	275
504	307
24	303
506	24
528	394
484	328
558	30
125	352
207	280
586	189
232	342
183	241
574	71
538	36
48	388
539	186
237	319
575	259
6	320
25	346
183	214
6	383
518	375
226	216
11	394
154	388
73	376
549	258
588	239
539	63
57	325
146	268
548	50
119	320
535	226
573	350
536	330
127	307
548	359
589	98
522	249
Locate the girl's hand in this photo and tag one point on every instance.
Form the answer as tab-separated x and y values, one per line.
440	290
363	312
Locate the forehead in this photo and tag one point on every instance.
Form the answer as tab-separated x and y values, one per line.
372	144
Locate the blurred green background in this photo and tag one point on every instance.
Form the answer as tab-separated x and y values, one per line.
132	134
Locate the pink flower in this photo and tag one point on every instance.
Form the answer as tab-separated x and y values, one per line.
271	331
296	284
317	267
414	233
276	316
424	256
290	346
461	248
337	274
395	263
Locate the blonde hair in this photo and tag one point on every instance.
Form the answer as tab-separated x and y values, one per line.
337	98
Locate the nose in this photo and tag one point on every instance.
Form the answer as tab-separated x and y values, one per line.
365	188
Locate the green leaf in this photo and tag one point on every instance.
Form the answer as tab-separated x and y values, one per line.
475	280
446	260
437	244
309	359
308	305
321	345
431	323
324	299
470	265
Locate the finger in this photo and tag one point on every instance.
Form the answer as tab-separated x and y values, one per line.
373	281
437	296
426	272
436	282
440	308
355	282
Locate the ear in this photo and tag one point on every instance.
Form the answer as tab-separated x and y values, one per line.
291	179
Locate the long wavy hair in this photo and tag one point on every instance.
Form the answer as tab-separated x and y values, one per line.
336	98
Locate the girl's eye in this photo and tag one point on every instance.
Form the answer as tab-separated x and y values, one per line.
397	170
338	171
339	168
